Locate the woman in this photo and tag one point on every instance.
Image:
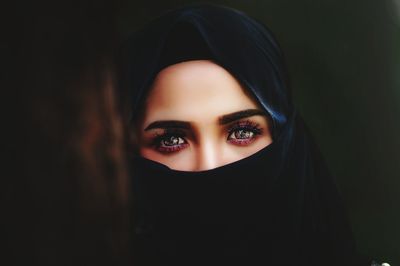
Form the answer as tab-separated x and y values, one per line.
225	172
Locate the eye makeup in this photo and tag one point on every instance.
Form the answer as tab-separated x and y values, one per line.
243	133
170	140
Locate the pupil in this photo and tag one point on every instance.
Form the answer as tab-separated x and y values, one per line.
171	141
243	134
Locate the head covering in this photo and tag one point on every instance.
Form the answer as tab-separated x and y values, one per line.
279	206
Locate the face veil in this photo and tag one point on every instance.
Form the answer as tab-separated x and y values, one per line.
279	206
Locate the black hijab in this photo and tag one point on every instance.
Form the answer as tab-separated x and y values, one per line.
279	206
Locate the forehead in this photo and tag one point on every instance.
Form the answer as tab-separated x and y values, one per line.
195	90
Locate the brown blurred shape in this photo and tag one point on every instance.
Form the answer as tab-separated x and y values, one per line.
64	185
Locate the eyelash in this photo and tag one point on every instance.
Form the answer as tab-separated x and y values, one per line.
167	135
246	127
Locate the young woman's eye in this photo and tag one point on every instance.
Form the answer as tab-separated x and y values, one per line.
170	143
243	133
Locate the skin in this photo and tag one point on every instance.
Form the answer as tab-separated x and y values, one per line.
200	97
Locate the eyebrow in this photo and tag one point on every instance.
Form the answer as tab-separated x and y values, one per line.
223	120
168	124
226	119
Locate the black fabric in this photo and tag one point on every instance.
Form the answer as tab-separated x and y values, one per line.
263	210
279	206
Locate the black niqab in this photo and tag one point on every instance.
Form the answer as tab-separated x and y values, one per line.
279	206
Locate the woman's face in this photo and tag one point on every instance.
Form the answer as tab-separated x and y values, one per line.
198	117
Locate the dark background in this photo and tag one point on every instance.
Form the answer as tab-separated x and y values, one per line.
343	59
